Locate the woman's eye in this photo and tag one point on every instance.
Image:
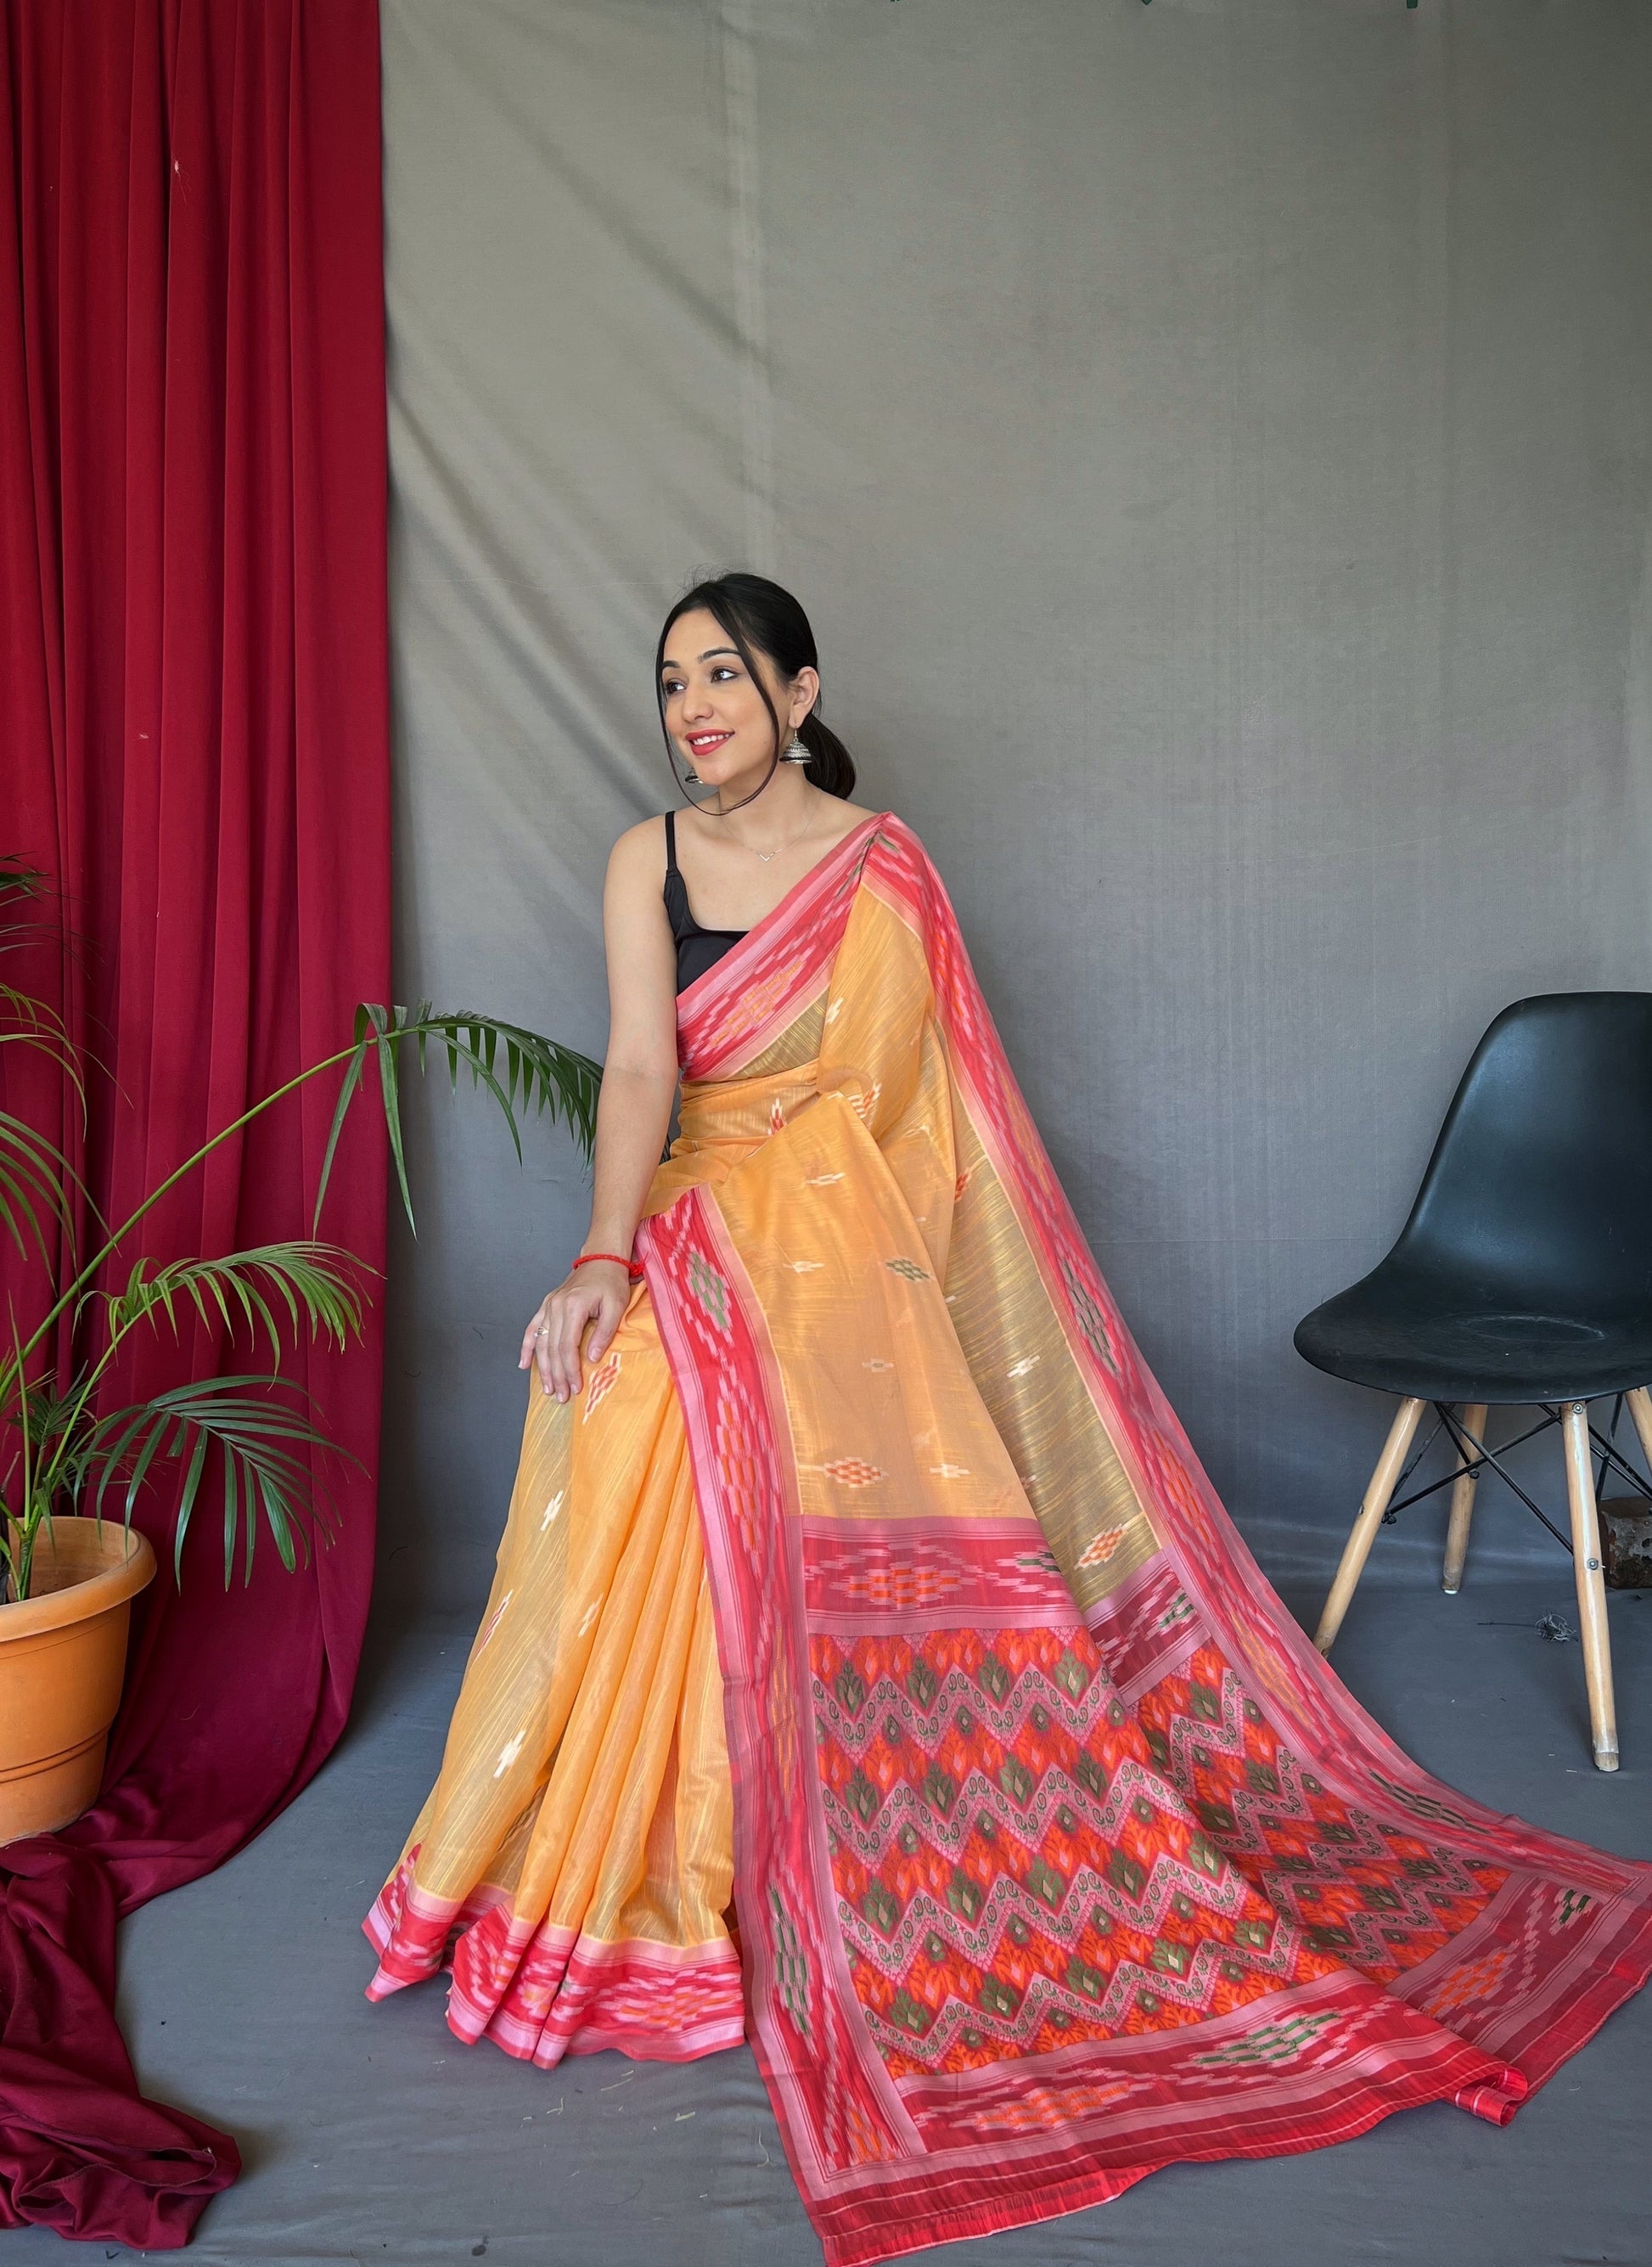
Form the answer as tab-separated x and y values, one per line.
724	669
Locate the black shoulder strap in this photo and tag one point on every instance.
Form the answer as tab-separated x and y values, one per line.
670	842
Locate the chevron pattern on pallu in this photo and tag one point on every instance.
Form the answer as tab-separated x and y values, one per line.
1063	1854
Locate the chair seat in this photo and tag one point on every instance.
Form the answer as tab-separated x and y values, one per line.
1442	1342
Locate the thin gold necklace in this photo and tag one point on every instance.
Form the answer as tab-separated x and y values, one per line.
767	855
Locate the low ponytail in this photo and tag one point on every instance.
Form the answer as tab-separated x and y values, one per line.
832	767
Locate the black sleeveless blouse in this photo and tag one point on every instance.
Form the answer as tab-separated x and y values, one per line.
697	949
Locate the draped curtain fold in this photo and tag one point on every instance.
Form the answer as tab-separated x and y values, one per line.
194	712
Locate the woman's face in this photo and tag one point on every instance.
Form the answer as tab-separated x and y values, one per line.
713	712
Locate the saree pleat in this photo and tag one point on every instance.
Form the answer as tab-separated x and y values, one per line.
870	1578
572	1864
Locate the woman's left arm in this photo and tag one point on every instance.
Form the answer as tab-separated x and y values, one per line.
633	1109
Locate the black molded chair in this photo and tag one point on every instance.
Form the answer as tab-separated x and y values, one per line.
1523	1276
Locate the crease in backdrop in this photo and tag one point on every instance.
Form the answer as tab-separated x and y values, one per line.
194	712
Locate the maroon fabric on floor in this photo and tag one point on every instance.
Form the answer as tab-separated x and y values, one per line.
194	720
82	2154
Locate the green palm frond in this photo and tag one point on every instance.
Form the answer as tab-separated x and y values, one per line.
28	1022
50	1415
25	1016
33	1172
23	887
314	1283
523	1070
35	1178
20	884
264	1445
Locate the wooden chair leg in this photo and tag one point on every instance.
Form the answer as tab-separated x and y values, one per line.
1640	1410
1401	1432
1473	1421
1591	1586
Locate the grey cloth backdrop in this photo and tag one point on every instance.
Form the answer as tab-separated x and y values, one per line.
1212	441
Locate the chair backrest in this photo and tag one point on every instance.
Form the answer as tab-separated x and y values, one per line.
1540	1184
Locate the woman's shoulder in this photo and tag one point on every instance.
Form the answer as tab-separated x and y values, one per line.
634	844
638	859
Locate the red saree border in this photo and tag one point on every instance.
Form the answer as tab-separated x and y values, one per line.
540	1993
840	2107
751	993
884	1576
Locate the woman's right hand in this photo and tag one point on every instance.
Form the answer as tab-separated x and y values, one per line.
596	1293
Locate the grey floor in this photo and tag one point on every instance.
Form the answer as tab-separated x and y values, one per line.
369	2133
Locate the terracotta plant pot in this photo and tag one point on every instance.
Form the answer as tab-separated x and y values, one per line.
62	1657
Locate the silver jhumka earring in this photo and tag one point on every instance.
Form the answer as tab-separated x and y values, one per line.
797	753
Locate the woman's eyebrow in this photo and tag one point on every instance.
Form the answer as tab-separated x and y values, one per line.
706	655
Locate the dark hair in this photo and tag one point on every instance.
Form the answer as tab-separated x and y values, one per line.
756	612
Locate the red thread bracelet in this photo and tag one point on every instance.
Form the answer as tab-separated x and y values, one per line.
629	1266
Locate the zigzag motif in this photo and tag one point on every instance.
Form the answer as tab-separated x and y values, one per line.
1065	1921
907	1813
1046	1999
1220	1735
1250	1813
1375	1894
856	1730
1013	1873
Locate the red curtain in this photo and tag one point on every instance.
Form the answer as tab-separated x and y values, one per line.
194	741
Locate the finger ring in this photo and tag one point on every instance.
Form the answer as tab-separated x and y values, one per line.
539	1333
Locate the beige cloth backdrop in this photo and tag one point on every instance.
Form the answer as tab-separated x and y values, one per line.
1213	441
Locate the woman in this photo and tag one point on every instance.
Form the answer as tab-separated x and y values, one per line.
860	1584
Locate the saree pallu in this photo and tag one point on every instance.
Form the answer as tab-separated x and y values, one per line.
869	1578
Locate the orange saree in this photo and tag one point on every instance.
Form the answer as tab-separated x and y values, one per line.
869	1587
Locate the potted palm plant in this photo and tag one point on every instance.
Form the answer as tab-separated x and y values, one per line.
75	1460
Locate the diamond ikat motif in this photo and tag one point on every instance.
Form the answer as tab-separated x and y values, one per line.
791	1969
1098	1553
848	1472
600	1382
1280	2042
983	1570
1479	1980
1089	1318
1043	2108
709	1289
